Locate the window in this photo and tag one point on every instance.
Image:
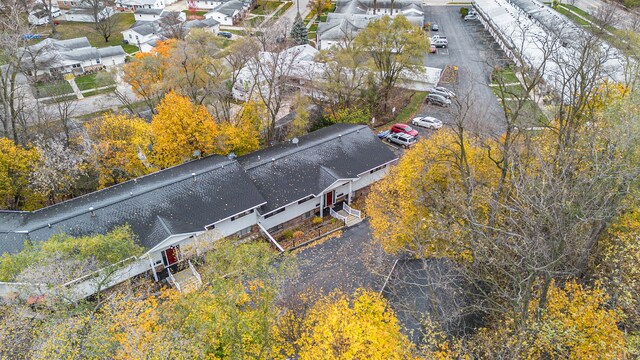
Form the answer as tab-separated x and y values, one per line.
129	36
310	197
244	231
275	212
75	66
308	214
378	169
233	218
97	61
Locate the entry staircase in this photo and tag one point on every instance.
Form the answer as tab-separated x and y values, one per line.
186	280
347	215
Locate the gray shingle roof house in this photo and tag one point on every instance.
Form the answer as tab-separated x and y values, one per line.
52	55
181	207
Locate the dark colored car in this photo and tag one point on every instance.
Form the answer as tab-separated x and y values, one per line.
225	34
404	129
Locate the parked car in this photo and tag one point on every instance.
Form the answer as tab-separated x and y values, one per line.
404	129
434	27
436	37
470	17
427	122
225	34
384	134
445	90
444	94
432	49
440	43
438	100
404	140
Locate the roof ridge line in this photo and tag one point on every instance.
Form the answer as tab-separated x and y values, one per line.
303	147
135	180
118	199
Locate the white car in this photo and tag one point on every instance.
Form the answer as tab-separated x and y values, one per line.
427	122
402	139
445	90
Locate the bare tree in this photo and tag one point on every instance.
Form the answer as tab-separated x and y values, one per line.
172	26
271	73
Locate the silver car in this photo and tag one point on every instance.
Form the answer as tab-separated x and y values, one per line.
427	122
437	99
402	139
445	90
444	94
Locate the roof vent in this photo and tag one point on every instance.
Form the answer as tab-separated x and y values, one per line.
49	225
295	141
273	159
135	181
258	157
193	175
93	213
340	136
130	193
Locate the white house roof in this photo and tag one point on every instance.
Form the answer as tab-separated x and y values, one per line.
52	52
229	8
146	11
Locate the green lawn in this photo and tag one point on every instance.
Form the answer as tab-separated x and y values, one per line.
313	28
70	30
410	110
197	13
271	6
506	75
47	89
222	42
88	82
575	18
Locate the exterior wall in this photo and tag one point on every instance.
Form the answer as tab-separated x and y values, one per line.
146	17
134	38
146	47
113	60
221	18
207	4
67	4
228	227
34	20
292	211
79	17
369	178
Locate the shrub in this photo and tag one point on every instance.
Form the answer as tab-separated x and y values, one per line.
464	12
316	220
287	234
298	234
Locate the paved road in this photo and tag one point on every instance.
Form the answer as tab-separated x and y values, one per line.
475	53
347	263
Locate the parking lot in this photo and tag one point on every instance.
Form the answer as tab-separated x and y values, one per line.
472	49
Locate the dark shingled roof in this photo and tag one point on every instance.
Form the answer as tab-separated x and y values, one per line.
156	206
174	201
341	151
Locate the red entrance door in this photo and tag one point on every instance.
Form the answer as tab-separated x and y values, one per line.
170	256
328	198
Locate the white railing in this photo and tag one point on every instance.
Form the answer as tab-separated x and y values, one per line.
173	280
264	231
195	272
337	216
351	211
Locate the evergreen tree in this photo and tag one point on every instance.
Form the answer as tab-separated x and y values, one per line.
299	32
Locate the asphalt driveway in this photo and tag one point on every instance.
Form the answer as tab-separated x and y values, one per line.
348	262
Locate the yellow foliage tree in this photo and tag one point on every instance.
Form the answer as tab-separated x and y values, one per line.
16	163
243	136
117	143
147	72
179	129
427	175
364	327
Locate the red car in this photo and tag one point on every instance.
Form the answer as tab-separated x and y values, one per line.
405	129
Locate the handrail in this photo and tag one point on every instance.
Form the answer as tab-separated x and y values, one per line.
351	211
337	216
95	273
173	280
195	272
270	237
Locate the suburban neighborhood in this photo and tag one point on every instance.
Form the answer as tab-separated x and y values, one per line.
319	179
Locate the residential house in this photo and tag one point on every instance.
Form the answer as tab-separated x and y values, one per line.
68	4
84	13
146	14
40	16
133	5
212	4
351	16
145	34
229	13
206	24
52	56
182	210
